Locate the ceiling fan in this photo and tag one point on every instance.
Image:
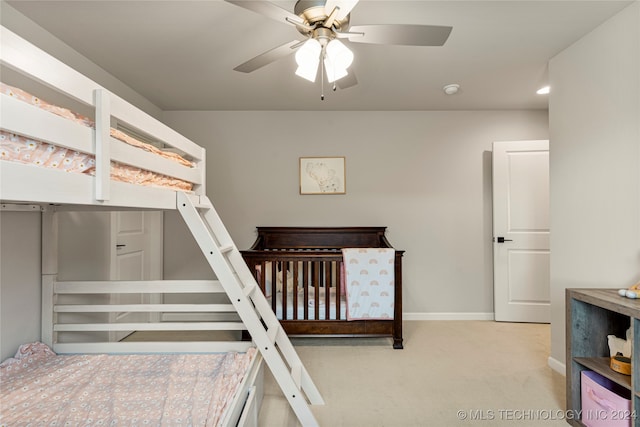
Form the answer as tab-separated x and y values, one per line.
325	23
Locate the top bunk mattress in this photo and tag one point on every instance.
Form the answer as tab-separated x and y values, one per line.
22	149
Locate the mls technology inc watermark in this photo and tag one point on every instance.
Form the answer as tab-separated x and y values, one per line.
543	414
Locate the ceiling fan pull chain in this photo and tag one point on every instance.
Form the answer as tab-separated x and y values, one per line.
322	76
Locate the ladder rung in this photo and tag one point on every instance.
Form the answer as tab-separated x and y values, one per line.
272	333
205	205
250	289
225	249
296	374
272	329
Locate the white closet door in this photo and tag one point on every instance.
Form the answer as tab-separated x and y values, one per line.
136	248
521	231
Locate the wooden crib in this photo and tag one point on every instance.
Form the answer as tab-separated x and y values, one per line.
295	266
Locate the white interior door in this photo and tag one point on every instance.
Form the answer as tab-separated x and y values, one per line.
136	247
521	231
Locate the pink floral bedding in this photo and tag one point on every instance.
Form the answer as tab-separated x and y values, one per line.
38	387
25	150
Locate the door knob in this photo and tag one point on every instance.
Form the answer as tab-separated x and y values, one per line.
502	240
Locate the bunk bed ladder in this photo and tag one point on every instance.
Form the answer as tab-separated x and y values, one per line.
252	306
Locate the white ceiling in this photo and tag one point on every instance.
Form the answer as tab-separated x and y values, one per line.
180	54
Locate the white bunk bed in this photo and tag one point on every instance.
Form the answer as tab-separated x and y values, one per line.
27	187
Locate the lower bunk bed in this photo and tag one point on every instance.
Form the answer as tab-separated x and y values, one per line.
303	273
40	387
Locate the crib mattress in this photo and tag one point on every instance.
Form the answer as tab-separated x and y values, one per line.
310	305
38	387
20	149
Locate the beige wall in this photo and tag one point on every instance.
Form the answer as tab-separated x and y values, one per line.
424	175
19	280
595	162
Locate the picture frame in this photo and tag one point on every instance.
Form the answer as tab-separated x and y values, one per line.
323	175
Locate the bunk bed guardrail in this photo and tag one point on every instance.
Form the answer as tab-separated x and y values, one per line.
110	110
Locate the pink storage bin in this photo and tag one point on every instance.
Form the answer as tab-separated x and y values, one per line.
604	402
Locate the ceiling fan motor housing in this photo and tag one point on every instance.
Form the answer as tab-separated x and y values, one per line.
313	13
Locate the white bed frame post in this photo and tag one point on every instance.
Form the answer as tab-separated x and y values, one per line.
102	139
49	273
252	306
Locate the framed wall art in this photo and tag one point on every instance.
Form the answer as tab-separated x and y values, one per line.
322	175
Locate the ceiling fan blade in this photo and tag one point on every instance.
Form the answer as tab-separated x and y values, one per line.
346	6
268	57
410	35
348	81
267	9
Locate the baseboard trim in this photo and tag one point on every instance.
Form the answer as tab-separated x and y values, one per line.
448	316
556	365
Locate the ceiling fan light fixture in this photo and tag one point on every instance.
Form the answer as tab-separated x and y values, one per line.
308	72
334	73
308	58
339	55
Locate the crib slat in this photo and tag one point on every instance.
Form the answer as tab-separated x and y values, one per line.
339	290
285	291
295	289
327	290
316	289
274	284
305	276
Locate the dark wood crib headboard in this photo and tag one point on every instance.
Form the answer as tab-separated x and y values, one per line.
270	238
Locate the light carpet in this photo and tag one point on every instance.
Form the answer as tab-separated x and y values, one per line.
450	373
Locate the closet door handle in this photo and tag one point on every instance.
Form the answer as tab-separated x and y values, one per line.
120	246
502	240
